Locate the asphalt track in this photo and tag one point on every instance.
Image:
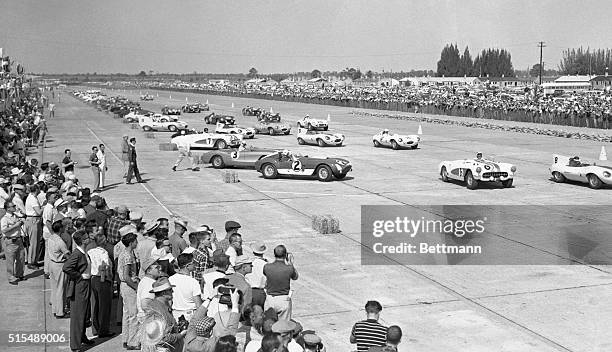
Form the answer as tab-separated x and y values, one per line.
440	308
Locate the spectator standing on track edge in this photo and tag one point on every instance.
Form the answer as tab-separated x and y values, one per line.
368	333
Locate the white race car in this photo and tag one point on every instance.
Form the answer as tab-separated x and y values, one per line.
165	118
395	141
322	139
155	124
596	174
310	123
473	171
247	132
207	141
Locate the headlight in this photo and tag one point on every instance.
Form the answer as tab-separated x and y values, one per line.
478	170
606	174
513	168
399	140
327	137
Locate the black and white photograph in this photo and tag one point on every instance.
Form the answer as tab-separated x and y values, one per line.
305	176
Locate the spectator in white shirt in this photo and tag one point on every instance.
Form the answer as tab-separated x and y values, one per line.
234	250
101	154
256	278
33	227
221	263
101	287
186	295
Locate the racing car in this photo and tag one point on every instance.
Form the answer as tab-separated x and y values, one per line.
286	163
322	139
207	141
473	171
310	123
272	128
244	156
395	141
195	108
146	97
213	119
170	111
565	168
268	117
251	111
247	132
154	123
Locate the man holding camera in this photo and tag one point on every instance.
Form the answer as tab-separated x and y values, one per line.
243	266
278	282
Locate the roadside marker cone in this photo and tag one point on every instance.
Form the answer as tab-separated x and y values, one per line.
186	100
206	101
158	95
170	97
232	105
328	117
420	131
271	111
140	92
602	154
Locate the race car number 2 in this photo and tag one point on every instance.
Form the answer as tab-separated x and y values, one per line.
26	338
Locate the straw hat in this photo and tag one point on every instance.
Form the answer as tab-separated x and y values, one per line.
153	330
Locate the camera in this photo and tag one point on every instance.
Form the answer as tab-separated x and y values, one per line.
182	323
225	291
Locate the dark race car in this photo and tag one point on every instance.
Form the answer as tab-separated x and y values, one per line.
286	163
213	118
251	111
268	117
195	108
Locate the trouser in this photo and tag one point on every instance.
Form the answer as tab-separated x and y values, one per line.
133	169
102	175
58	282
79	305
15	258
96	177
33	228
47	261
281	304
259	297
102	302
129	324
182	155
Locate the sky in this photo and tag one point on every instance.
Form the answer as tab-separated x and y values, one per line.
284	36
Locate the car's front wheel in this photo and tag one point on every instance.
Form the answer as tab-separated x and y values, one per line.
301	141
320	142
172	128
414	146
470	181
217	162
147	128
324	173
271	131
558	177
221	144
594	181
508	183
394	145
376	143
269	171
444	174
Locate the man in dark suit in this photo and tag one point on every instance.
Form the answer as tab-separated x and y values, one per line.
133	168
78	270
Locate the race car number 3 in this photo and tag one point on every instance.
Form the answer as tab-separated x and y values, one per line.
35	338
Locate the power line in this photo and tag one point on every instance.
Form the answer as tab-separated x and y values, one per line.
541	45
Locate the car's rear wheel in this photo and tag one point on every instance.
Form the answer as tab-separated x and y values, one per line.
444	174
172	128
394	145
301	141
207	120
470	181
287	133
269	171
221	144
271	131
324	173
376	143
508	183
217	162
147	128
558	177
320	142
594	181
414	146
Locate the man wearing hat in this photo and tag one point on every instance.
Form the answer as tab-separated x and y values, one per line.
243	266
152	271
11	227
256	278
58	253
312	343
177	241
146	244
286	329
159	308
231	227
199	335
49	214
33	227
126	270
115	223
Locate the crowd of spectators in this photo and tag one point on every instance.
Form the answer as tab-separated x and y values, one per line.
586	109
207	294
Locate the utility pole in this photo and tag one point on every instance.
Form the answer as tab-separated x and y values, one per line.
541	45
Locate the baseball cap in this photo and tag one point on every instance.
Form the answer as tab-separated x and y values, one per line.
231	225
283	326
204	325
181	222
136	216
243	259
126	230
312	339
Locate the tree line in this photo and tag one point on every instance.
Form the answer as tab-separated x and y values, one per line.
584	62
490	62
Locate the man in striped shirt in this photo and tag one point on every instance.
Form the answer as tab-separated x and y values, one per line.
369	332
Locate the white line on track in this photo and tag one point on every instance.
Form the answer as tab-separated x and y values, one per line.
308	193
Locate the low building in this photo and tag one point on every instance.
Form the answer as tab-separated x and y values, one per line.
510	82
601	82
